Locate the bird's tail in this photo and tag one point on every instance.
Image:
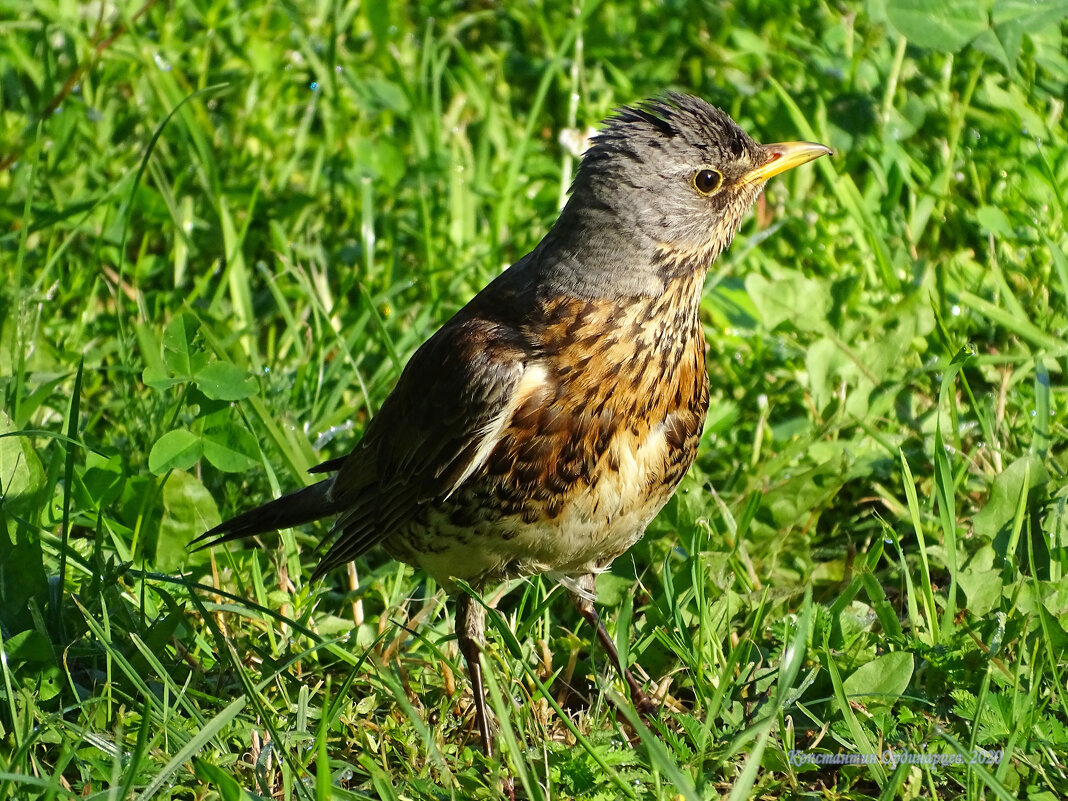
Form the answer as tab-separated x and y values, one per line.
294	509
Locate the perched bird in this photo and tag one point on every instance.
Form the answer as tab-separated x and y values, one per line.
545	424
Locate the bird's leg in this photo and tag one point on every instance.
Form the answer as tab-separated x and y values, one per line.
642	702
470	635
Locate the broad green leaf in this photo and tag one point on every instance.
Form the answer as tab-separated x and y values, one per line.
983	590
379	158
1014	19
1012	101
29	647
1000	507
384	94
790	297
188	511
21	472
611	589
22	564
945	25
101	483
151	352
176	450
995	221
231	449
225	381
182	354
982	582
157	377
1029	16
827	364
882	680
32	661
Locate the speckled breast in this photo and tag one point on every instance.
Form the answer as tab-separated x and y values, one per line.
614	403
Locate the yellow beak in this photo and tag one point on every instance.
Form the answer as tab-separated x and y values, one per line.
782	157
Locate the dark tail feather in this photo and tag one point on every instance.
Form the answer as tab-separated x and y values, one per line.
329	466
294	509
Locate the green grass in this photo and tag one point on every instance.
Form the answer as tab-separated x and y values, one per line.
223	231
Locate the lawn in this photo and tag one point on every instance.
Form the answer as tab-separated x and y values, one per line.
224	228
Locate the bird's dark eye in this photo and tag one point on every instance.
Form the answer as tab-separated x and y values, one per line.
707	181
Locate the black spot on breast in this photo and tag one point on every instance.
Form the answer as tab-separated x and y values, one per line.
526	474
606	429
554	507
534	451
463	516
557	483
613	461
585	316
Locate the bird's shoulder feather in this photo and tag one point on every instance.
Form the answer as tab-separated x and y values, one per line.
435	429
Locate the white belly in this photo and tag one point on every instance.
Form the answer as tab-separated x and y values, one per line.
596	524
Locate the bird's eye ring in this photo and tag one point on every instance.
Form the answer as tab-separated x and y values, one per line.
707	181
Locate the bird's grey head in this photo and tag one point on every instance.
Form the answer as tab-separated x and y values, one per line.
663	188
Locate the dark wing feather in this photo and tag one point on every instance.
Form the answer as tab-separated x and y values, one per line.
450	402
